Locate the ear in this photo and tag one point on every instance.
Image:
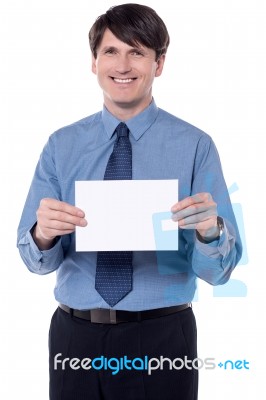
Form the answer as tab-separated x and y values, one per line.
93	64
160	64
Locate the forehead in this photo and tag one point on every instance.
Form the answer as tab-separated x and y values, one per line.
110	40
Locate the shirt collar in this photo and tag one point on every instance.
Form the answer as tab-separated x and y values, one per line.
137	125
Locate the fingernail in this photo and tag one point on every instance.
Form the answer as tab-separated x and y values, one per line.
80	214
83	222
174	217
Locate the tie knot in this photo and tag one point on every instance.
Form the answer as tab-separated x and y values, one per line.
122	130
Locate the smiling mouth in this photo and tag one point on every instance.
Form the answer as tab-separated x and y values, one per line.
119	80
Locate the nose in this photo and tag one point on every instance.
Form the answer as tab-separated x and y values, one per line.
123	65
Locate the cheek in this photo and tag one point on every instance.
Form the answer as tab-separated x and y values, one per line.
150	71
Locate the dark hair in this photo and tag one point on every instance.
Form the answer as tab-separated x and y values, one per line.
133	24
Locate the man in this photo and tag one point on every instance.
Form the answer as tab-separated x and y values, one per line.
116	307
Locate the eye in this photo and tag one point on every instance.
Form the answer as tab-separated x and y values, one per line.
110	51
136	53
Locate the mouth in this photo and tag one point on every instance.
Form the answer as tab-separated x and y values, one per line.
123	81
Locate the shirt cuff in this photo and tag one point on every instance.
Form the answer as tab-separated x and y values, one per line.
221	247
40	261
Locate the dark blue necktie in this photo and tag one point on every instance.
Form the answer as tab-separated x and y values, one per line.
113	279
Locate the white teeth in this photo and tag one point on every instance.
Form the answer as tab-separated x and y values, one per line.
123	80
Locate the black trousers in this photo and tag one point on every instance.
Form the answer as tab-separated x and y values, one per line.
128	361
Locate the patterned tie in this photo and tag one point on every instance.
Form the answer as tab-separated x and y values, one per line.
113	279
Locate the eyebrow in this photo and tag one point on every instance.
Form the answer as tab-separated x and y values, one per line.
109	48
113	48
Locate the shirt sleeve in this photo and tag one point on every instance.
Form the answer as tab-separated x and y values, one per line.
39	261
44	185
215	261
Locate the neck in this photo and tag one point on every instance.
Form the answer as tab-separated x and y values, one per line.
125	112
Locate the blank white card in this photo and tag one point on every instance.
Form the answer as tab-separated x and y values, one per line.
127	215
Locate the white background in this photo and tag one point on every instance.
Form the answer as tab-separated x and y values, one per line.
214	78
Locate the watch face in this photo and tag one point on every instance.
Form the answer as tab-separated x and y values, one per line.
220	224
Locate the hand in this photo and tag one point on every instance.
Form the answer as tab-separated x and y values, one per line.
197	212
55	218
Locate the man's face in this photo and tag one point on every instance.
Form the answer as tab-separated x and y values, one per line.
125	75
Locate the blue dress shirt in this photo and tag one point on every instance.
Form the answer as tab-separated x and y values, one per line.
163	147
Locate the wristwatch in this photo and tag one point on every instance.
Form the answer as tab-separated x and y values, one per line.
220	224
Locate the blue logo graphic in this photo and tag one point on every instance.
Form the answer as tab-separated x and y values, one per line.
235	287
167	260
230	364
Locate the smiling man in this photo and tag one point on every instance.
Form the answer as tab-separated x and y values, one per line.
115	308
126	74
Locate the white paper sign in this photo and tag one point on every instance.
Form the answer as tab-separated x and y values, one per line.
127	215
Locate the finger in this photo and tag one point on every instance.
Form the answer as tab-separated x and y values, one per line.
197	218
45	213
59	225
188	201
62	206
51	233
49	229
202	225
198	208
45	216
